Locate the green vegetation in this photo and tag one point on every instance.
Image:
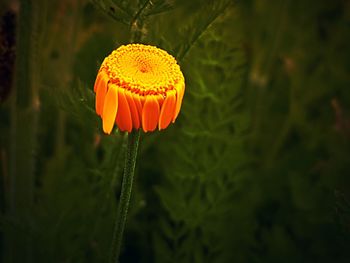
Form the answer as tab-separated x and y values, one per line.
255	169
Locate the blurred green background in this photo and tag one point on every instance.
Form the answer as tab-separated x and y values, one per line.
255	169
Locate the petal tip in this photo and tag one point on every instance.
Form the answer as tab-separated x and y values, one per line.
110	109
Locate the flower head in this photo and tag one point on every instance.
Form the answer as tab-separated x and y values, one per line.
138	86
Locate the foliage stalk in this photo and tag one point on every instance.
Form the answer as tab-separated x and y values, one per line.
128	175
23	134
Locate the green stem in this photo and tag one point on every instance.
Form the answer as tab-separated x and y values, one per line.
129	168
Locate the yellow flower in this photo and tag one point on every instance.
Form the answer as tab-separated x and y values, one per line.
138	86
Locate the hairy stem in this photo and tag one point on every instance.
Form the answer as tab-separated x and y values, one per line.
129	168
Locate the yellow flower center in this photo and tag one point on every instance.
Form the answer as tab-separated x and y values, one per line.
143	69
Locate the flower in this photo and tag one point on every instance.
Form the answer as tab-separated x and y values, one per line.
138	86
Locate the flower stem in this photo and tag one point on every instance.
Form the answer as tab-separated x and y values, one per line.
129	168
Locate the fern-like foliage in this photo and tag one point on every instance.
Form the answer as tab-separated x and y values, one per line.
200	183
118	10
201	21
255	168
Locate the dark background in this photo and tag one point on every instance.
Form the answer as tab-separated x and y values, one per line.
255	169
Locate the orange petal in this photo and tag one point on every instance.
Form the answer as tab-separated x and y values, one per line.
98	77
142	99
133	110
167	110
160	99
110	108
123	116
101	76
180	94
138	104
101	91
150	113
